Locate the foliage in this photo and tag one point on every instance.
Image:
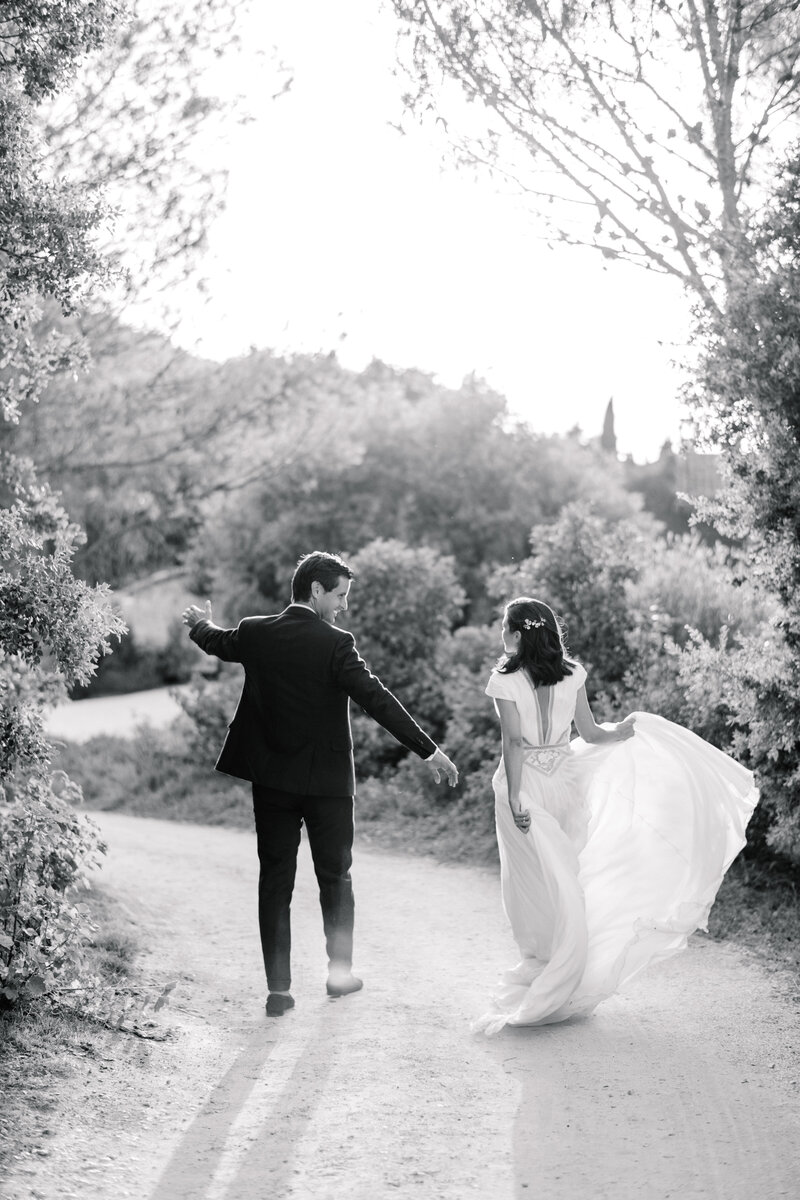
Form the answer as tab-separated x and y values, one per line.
44	843
210	705
651	122
471	738
748	396
47	225
163	773
53	628
404	601
685	585
202	433
142	120
580	566
135	667
402	458
146	103
657	484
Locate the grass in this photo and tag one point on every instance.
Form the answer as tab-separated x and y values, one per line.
152	775
41	1043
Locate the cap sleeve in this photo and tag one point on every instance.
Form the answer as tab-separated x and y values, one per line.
579	674
500	686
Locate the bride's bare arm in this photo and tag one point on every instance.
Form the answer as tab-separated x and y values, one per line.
590	731
512	758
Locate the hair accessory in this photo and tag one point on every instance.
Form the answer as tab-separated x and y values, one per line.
529	624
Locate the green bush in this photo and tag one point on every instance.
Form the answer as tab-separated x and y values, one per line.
684	584
404	601
44	846
209	705
580	566
133	667
747	701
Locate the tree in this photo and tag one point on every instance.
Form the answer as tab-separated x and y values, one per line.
145	122
404	603
580	566
406	459
747	394
608	438
140	443
140	127
639	129
52	627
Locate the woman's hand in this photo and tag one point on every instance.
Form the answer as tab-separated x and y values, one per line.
625	729
522	817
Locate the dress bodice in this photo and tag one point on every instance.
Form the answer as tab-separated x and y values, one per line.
545	713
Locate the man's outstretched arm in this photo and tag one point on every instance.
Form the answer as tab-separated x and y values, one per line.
222	643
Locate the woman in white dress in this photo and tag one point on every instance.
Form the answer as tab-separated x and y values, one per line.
612	846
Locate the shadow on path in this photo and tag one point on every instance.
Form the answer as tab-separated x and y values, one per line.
240	1142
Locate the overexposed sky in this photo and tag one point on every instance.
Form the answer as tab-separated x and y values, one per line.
343	234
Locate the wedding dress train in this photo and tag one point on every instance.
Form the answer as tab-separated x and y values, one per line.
629	842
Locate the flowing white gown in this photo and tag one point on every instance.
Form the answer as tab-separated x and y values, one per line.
628	845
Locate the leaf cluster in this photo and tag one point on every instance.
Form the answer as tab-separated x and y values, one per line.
53	627
45	846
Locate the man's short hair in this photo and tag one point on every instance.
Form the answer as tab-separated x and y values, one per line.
323	568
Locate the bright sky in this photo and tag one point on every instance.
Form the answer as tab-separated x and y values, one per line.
341	233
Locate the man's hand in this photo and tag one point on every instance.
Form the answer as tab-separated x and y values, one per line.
441	763
193	614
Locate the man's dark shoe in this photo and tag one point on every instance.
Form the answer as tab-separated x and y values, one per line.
343	985
278	1004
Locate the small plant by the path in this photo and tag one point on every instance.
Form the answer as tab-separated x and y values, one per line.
43	931
51	951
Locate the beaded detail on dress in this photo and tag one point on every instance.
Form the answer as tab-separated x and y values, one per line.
545	758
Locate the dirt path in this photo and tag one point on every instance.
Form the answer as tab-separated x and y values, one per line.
686	1087
120	716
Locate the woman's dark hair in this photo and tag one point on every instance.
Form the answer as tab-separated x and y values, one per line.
318	567
541	651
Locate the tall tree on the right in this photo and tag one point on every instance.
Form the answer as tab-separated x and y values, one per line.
747	397
640	129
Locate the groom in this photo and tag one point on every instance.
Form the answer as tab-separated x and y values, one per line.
291	739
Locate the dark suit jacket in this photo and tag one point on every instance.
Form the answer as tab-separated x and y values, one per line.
291	730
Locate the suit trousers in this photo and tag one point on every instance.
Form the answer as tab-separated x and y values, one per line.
329	825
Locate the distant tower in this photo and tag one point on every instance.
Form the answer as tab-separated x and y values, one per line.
609	438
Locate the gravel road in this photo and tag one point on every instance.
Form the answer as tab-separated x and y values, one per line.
686	1086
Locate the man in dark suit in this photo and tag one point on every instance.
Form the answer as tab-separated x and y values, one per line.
290	737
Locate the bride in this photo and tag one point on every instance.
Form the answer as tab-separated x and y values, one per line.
612	846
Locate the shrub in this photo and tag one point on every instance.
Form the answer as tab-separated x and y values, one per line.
580	566
404	602
45	845
134	667
747	701
685	584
